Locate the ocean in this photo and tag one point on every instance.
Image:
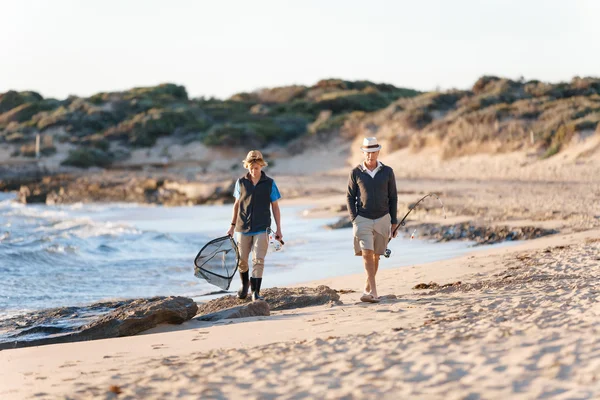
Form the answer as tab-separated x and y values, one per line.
75	255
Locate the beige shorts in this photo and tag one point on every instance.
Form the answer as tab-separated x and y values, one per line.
371	234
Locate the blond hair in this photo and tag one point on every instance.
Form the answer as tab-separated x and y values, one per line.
254	156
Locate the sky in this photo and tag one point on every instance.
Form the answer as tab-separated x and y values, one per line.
218	48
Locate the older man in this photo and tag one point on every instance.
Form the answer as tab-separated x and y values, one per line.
372	203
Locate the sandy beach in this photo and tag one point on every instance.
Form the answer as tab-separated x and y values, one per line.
523	324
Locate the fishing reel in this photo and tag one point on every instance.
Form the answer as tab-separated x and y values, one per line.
387	253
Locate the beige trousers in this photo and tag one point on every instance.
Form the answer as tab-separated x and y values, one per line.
258	245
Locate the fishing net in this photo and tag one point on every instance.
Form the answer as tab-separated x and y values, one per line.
217	262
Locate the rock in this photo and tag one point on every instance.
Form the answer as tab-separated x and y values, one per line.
479	234
253	309
342	223
12	177
141	315
278	299
128	318
288	298
149	184
222	194
26	196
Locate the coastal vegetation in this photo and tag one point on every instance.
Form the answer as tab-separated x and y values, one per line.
495	115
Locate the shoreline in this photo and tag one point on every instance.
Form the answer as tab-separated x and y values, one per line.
64	319
177	354
327	206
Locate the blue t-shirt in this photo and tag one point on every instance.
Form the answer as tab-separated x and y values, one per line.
275	195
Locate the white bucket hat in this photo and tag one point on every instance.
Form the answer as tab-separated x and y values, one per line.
370	145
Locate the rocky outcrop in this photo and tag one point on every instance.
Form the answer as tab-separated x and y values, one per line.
70	188
463	231
288	298
278	299
253	309
126	318
141	315
476	233
12	177
342	223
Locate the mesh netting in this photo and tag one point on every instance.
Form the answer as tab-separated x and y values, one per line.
217	262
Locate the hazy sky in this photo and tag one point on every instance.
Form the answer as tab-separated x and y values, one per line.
221	47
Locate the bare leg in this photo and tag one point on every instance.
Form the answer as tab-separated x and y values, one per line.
369	260
376	268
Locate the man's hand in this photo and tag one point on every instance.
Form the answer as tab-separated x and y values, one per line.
279	235
394	232
230	231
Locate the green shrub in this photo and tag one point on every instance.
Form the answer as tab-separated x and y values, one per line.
226	135
331	124
143	129
88	157
26	111
291	126
96	141
12	99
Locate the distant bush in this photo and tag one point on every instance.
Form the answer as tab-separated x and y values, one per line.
256	133
143	129
291	126
165	92
12	99
331	124
226	111
25	112
226	135
96	141
88	157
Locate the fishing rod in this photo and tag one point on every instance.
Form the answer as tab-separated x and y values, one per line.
388	252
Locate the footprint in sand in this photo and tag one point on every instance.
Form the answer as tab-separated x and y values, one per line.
107	356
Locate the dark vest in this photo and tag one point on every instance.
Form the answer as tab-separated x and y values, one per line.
255	204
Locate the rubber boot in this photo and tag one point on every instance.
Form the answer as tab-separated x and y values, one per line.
243	292
255	283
